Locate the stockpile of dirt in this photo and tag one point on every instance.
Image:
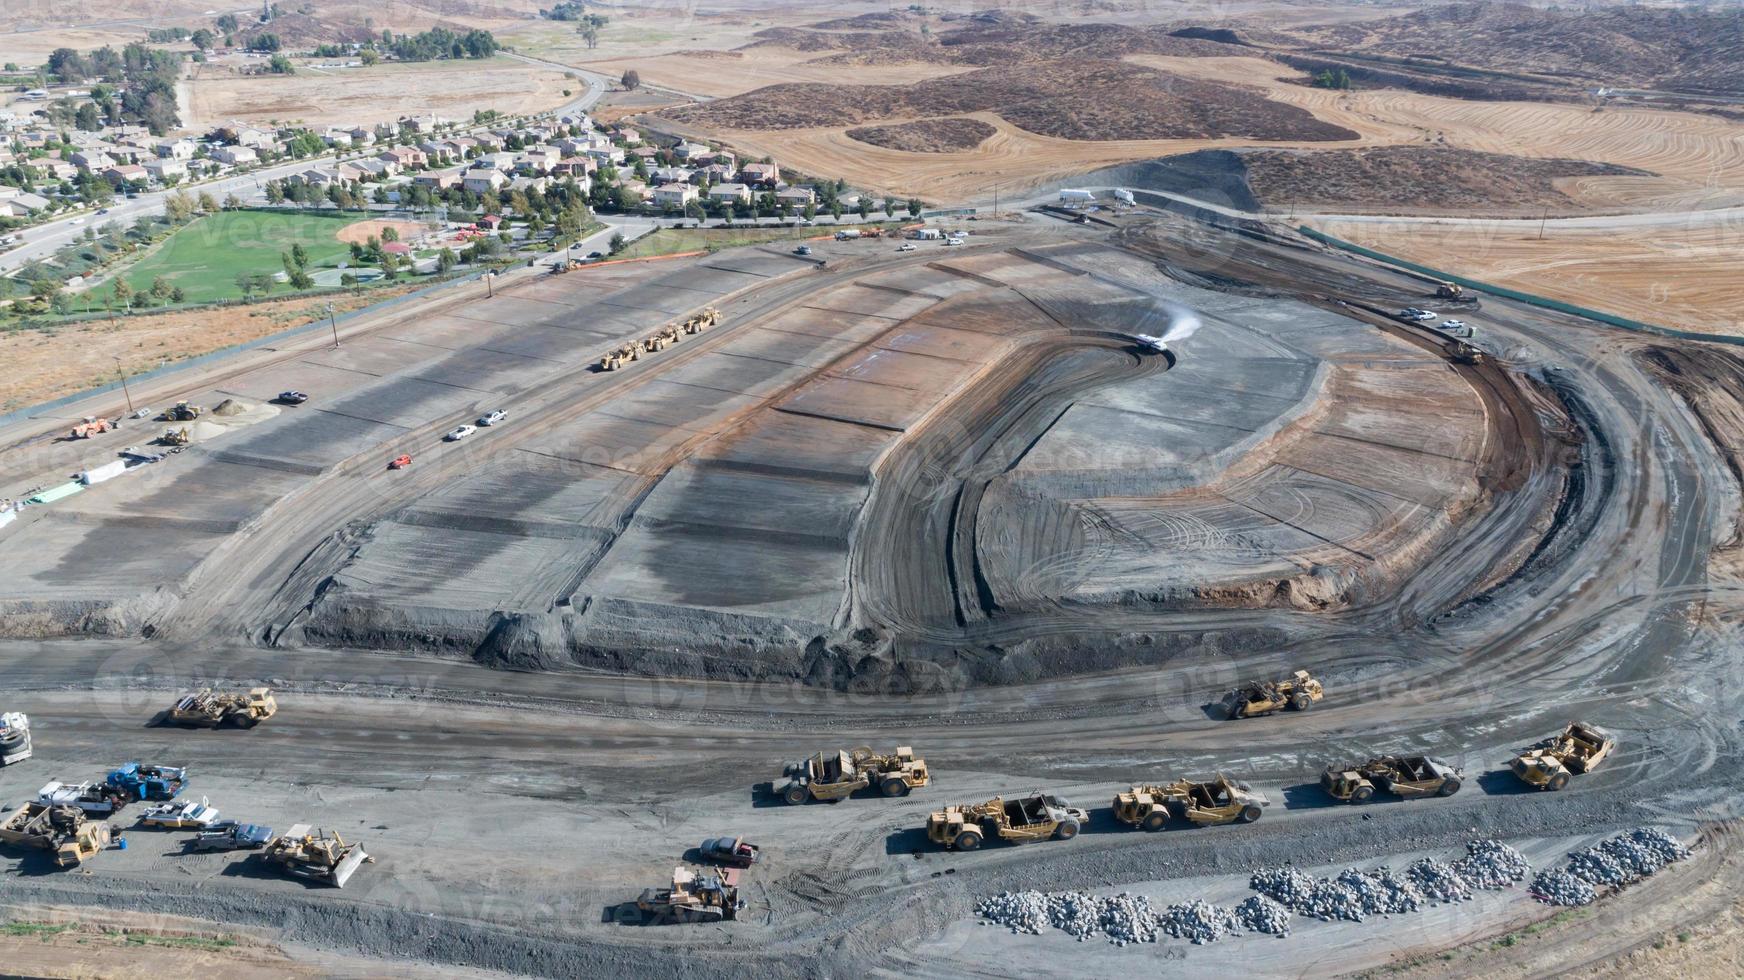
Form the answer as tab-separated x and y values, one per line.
927	136
1069	99
1683	49
1414	177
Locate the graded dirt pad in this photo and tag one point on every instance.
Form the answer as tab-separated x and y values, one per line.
927	135
729	522
1670	275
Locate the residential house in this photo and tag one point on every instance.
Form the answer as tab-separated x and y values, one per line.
489	222
339	139
715	173
22	204
255	138
126	173
165	169
440	180
799	197
613	155
58	169
625	134
314	177
761	174
483	180
175	150
670	175
235	156
674	195
644	153
635	187
688	151
736	193
92	161
404	158
361	136
538	159
578	167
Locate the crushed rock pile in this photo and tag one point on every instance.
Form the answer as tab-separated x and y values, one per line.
1615	862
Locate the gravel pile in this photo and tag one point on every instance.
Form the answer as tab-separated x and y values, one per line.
1491	865
1351	895
1200	922
1260	914
1381	891
1129	919
1615	861
1021	912
1438	882
1555	887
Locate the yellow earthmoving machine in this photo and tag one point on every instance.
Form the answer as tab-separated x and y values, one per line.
1449	290
206	709
1406	776
623	355
709	897
837	775
318	855
176	437
702	321
1032	818
1579	749
182	412
1298	692
1218	800
91	426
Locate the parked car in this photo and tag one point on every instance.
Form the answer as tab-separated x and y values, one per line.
231	835
733	851
595	255
400	462
491	418
1424	315
180	815
1409	313
953	241
1453	324
102	211
906	247
802	250
459	432
292	397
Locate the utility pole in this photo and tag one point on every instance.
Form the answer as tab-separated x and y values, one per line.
490	285
333	322
125	393
1541	221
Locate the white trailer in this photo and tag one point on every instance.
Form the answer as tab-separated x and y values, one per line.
1071	196
107	471
1123	195
847	233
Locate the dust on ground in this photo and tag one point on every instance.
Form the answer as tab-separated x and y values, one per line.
362	231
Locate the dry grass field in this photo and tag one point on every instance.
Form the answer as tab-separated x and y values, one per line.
453	89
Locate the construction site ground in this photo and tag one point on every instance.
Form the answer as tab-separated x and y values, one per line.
937	498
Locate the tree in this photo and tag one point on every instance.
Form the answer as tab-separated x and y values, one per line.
244	282
203	39
890	207
835	208
295	274
617	243
810	211
161	288
177	296
368	57
179	207
87	118
68	66
265	43
123	293
914	207
865	207
208	203
281	65
446	259
227	23
390	234
632	80
300	255
232	202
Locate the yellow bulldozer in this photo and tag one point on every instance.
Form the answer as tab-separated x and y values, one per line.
1298	692
1578	749
1219	800
712	897
1449	290
317	855
1032	818
181	412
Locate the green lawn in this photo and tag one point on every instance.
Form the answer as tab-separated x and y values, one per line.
205	257
671	241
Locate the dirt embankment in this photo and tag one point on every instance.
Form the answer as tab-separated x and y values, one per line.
1068	99
927	136
1711	382
1440	178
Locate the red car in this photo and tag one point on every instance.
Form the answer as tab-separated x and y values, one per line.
400	462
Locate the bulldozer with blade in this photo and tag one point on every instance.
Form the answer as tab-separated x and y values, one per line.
206	709
1298	692
180	412
318	855
1578	749
709	897
64	830
1035	817
1219	800
1406	776
833	776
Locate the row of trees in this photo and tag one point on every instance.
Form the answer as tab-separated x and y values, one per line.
147	77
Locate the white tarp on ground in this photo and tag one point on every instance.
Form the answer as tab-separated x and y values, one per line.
107	471
7	516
